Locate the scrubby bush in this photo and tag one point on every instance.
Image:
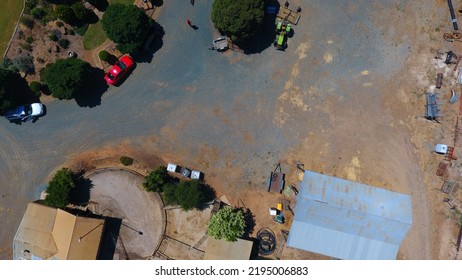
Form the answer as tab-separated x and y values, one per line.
53	37
24	63
27	21
26	46
63	43
59	23
186	194
30	40
104	55
126	160
29	5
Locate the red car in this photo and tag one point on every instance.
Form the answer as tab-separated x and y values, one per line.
119	70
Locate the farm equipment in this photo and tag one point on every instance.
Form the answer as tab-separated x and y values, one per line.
283	29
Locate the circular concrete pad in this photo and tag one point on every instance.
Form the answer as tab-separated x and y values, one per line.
118	194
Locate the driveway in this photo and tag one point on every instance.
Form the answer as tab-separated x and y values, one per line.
329	101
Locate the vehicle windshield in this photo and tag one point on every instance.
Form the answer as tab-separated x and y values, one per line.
110	76
27	110
121	65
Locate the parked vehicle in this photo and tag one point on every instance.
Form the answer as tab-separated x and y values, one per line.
25	112
119	70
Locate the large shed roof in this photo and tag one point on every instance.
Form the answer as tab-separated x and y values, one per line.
349	220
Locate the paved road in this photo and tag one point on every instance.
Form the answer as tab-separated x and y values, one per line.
223	111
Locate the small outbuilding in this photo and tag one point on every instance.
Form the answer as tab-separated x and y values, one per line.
349	220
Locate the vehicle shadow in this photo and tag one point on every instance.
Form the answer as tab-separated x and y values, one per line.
153	43
91	97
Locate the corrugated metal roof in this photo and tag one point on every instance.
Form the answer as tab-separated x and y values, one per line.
349	220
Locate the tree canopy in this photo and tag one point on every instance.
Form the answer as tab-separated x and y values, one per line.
66	77
10	97
59	188
227	223
186	194
156	179
126	25
238	19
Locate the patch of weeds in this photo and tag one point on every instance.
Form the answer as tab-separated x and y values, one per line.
30	39
63	43
26	46
27	21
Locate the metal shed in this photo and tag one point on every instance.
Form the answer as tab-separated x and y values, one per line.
349	220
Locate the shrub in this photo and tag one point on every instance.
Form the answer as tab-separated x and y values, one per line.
28	21
59	23
38	13
26	46
24	63
104	55
126	160
40	60
59	188
53	37
186	194
227	223
63	43
35	86
30	39
72	32
156	180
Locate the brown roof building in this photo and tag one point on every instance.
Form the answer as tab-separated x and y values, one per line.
48	233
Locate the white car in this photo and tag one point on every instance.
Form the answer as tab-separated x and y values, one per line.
25	112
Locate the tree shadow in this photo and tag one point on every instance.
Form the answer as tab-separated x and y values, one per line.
91	97
249	219
157	3
208	195
109	239
153	43
80	195
265	35
101	5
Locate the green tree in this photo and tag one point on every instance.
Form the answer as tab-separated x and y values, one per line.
238	19
189	194
59	188
66	77
66	13
227	223
10	96
128	26
156	179
83	14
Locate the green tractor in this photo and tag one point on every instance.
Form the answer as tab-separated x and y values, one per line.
283	29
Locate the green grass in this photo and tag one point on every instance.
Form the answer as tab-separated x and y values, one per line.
125	2
94	36
9	15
